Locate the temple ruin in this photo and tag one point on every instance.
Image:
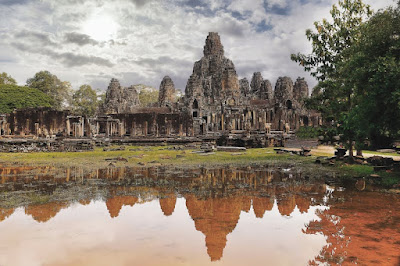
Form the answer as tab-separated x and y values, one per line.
216	107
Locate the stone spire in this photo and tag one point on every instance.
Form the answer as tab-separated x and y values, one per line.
166	93
300	90
214	77
256	82
260	88
119	99
244	86
265	92
283	89
113	97
213	45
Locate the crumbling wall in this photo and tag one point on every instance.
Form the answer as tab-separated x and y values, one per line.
41	122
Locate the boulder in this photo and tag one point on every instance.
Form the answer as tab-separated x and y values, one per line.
380	161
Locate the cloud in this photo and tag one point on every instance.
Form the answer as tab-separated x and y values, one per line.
79	39
68	59
43	39
154	38
74	60
13	2
140	3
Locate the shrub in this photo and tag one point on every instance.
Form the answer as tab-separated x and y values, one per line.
15	97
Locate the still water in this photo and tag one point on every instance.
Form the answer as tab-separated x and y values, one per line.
164	216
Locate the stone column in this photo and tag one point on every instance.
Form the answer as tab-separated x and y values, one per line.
82	133
68	127
121	129
133	130
108	128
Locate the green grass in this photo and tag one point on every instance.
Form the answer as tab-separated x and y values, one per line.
161	155
358	170
142	155
390	180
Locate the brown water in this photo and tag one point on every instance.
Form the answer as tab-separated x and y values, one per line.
164	216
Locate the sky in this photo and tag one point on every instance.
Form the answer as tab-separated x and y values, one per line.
141	41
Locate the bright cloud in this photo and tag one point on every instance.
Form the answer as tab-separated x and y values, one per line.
140	41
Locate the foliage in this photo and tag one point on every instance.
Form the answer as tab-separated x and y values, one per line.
308	132
372	68
331	39
101	98
59	91
148	97
329	42
84	101
13	97
6	79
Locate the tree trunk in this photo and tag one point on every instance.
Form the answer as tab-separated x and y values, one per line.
359	152
351	153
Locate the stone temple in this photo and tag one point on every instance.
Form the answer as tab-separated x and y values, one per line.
219	102
216	107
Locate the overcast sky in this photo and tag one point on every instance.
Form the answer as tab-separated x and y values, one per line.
141	41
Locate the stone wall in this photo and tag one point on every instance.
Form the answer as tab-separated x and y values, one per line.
147	124
41	122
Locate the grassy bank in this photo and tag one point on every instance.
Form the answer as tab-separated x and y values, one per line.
133	155
164	156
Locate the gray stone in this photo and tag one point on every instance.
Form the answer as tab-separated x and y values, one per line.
119	99
167	93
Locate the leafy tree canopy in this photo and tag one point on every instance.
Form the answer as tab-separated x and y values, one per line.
59	91
148	97
372	69
14	97
84	101
357	65
329	42
7	79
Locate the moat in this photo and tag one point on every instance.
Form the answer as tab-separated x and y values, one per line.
253	215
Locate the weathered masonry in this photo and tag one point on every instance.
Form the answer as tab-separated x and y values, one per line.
216	106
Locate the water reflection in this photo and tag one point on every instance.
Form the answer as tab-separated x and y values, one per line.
333	227
362	228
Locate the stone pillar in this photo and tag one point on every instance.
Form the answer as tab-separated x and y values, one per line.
133	130
81	127
37	129
145	128
121	129
68	127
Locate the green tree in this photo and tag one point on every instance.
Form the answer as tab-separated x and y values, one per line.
14	97
84	101
7	79
148	97
101	98
59	91
372	69
331	97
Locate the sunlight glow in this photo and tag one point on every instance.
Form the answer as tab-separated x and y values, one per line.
100	27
